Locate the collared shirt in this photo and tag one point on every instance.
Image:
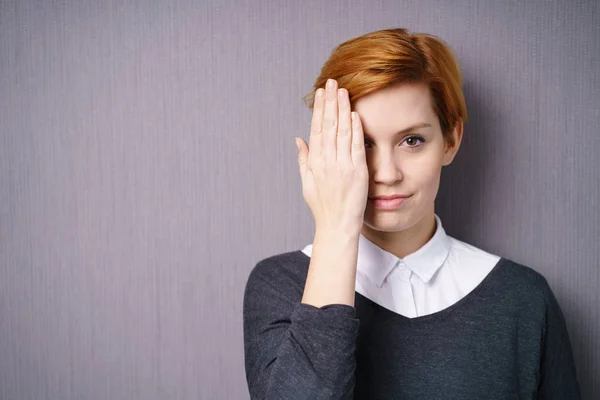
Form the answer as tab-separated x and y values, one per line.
435	276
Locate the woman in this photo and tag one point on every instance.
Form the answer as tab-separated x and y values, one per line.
383	304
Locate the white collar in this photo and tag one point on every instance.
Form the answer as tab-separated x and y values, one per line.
376	263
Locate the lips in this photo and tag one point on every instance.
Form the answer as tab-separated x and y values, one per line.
391	197
389	204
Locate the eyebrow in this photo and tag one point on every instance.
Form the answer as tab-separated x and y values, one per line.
405	130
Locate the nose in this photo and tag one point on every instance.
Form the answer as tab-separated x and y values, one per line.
384	168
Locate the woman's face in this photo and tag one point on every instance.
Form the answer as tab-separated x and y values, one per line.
409	163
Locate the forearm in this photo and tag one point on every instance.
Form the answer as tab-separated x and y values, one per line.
331	275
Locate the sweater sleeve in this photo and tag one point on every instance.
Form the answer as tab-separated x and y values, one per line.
558	377
295	350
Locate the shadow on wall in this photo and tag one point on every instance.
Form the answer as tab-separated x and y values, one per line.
462	184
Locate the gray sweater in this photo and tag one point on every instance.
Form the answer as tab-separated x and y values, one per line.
506	339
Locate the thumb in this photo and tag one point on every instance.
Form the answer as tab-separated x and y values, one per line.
302	154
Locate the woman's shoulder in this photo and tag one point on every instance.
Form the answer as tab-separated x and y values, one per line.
522	286
531	293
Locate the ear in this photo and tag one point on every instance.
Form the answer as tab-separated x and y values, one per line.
450	149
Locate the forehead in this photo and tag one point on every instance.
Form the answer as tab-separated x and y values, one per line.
396	107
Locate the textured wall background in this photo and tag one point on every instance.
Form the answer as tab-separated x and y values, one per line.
147	163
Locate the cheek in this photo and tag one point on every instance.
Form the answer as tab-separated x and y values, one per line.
423	171
426	182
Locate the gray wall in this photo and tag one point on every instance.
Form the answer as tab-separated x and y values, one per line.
147	163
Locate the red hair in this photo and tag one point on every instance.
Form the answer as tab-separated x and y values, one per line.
376	60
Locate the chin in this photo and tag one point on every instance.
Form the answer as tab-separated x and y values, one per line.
389	223
385	221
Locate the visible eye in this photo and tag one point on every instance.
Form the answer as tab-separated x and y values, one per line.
411	140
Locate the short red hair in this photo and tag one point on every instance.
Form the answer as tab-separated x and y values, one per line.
376	60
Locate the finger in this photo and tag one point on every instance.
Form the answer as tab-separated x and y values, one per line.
317	123
344	132
330	122
302	155
358	141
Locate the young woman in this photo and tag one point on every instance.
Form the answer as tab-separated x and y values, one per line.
384	304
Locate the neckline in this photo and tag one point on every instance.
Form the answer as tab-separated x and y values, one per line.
484	285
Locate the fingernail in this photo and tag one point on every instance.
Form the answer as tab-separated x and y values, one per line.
330	84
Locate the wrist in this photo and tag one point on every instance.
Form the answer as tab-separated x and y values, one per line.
336	233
